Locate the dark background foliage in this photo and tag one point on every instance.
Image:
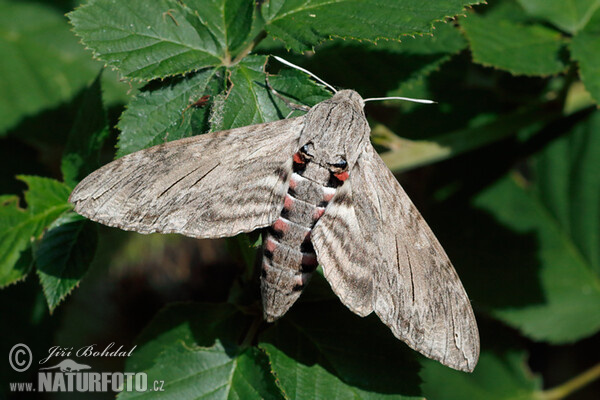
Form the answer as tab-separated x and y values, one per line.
504	168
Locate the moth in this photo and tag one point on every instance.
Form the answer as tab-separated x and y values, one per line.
325	197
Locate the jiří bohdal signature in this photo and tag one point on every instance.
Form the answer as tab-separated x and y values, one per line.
86	351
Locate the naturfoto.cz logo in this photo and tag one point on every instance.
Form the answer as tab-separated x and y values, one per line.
71	376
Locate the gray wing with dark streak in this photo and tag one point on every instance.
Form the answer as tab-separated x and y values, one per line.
379	254
212	185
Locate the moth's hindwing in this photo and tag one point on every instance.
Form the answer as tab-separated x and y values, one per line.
380	255
345	257
207	186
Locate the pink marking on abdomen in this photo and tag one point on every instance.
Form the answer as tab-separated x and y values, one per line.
271	245
288	202
328	194
281	226
318	213
293	183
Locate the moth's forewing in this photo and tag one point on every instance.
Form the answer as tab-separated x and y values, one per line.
207	186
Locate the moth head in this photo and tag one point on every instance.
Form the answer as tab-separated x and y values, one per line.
332	159
335	131
350	97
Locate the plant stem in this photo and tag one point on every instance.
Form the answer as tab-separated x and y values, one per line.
572	385
408	154
251	334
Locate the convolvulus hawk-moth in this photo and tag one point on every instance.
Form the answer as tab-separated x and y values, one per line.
324	195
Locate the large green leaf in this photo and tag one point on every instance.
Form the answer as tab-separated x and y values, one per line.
569	15
585	50
302	24
41	63
15	233
46	200
164	113
557	295
502	39
194	349
89	131
496	377
568	184
230	22
388	67
527	252
554	257
64	255
323	351
249	101
147	40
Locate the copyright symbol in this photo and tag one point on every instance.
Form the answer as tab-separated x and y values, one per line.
20	357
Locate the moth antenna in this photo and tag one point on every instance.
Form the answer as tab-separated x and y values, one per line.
423	101
281	60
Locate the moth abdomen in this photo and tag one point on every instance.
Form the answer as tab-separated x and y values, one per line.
289	258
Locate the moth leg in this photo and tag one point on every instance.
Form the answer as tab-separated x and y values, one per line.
290	104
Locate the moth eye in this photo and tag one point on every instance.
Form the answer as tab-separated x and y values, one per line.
304	152
340	165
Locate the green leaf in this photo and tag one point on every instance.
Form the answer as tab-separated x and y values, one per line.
164	114
568	15
64	255
322	350
388	67
584	49
45	194
229	21
15	264
147	40
568	184
193	349
502	40
249	100
47	200
302	24
41	63
298	88
424	55
559	293
522	249
86	138
496	377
